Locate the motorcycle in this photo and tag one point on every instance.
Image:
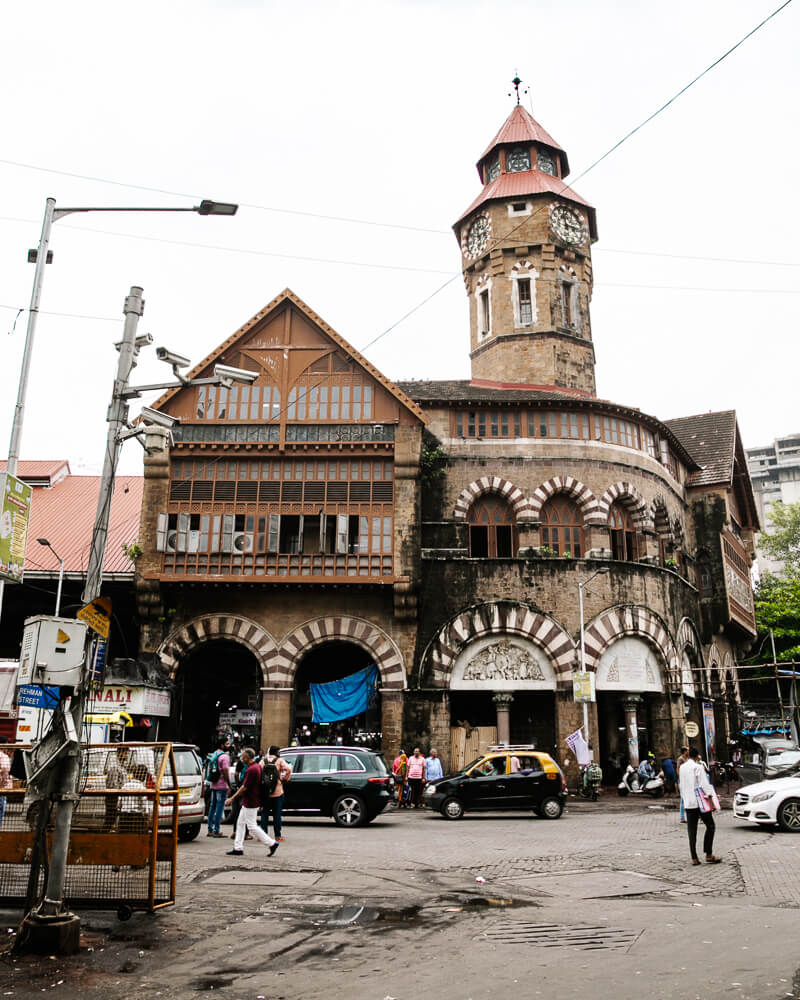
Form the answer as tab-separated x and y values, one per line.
589	781
631	782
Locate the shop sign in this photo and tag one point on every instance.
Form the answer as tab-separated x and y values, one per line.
240	717
692	730
136	700
583	687
15	506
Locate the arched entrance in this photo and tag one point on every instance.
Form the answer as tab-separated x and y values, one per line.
324	663
217	689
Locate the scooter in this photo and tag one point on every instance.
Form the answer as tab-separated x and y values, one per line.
589	782
631	782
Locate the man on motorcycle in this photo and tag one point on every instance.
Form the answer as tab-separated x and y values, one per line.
646	770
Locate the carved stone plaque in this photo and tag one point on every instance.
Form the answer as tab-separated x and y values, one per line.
502	664
629	664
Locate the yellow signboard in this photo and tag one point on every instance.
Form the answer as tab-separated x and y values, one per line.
97	615
15	502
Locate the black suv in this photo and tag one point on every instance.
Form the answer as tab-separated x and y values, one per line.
515	777
350	784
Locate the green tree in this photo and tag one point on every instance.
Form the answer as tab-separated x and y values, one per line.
777	607
782	542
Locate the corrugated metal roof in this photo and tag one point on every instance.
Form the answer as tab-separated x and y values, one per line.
64	514
525	182
43	469
520	126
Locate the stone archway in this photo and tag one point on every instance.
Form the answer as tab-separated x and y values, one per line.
581	494
205	628
627	494
492	484
283	662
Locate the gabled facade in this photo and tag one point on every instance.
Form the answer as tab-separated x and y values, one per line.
287	504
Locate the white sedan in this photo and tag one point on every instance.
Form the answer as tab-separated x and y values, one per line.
769	802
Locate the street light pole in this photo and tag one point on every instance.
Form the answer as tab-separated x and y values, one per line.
581	588
47	545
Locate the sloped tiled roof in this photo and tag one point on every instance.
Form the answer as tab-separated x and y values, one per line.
464	391
64	514
710	439
38	470
525	182
520	126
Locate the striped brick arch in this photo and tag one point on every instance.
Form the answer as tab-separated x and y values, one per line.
498	618
283	662
210	627
574	488
492	484
689	638
630	497
630	620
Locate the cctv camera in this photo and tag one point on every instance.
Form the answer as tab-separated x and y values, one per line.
228	375
176	360
158	418
143	340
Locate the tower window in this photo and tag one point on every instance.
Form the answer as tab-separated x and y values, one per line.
566	303
493	170
518	159
545	163
483	313
525	304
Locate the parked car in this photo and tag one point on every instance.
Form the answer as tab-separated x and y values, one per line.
776	800
350	784
519	777
191	801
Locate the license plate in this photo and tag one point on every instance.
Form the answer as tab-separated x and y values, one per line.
184	793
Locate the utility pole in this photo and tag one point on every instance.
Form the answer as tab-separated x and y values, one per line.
51	927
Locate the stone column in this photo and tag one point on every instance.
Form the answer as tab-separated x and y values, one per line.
276	715
631	704
502	701
391	721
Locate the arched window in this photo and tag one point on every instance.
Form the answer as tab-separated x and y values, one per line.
492	528
621	532
562	526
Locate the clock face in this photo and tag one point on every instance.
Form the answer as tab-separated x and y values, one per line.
518	159
568	225
493	170
546	163
477	236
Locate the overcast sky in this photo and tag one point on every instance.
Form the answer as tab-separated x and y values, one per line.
313	116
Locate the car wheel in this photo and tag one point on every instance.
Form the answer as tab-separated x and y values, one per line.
188	832
452	809
349	810
550	808
789	816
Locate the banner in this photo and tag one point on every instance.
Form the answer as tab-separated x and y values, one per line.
15	505
710	728
345	698
579	747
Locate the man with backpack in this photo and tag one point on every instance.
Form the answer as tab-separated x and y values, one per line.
217	776
250	792
275	773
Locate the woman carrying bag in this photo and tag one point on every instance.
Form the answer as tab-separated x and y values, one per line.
400	771
700	800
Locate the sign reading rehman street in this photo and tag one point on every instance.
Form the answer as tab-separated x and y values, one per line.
14	510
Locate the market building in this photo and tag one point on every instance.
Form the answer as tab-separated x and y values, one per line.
324	518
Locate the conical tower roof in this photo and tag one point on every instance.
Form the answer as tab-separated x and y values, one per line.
521	127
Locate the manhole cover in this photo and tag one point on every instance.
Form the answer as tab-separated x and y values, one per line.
292	879
595	884
585	938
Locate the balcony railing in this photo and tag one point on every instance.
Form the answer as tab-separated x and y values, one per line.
265	566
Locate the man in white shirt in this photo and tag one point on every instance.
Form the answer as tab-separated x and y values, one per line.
433	767
692	776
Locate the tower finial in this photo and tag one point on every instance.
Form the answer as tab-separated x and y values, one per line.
516	82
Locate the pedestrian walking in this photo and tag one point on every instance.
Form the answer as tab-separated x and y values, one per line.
250	794
416	776
5	780
276	799
433	767
682	758
693	777
400	772
237	777
218	777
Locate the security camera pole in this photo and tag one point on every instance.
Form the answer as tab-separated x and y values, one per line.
51	925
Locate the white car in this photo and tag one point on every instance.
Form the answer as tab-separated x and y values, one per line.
767	802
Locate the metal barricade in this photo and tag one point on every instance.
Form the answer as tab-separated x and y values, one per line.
124	841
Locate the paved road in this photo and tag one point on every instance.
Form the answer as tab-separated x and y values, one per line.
602	902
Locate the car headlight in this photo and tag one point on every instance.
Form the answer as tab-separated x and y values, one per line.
762	796
429	789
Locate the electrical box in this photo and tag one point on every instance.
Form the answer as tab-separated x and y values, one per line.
52	651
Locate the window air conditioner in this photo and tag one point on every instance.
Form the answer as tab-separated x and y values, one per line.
242	541
172	541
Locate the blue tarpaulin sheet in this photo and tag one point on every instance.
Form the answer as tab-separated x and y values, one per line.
345	698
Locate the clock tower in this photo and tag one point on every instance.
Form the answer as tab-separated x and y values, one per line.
526	258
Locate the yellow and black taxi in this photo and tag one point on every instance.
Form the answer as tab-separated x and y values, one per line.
504	777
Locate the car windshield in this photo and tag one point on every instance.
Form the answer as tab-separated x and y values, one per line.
471	764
